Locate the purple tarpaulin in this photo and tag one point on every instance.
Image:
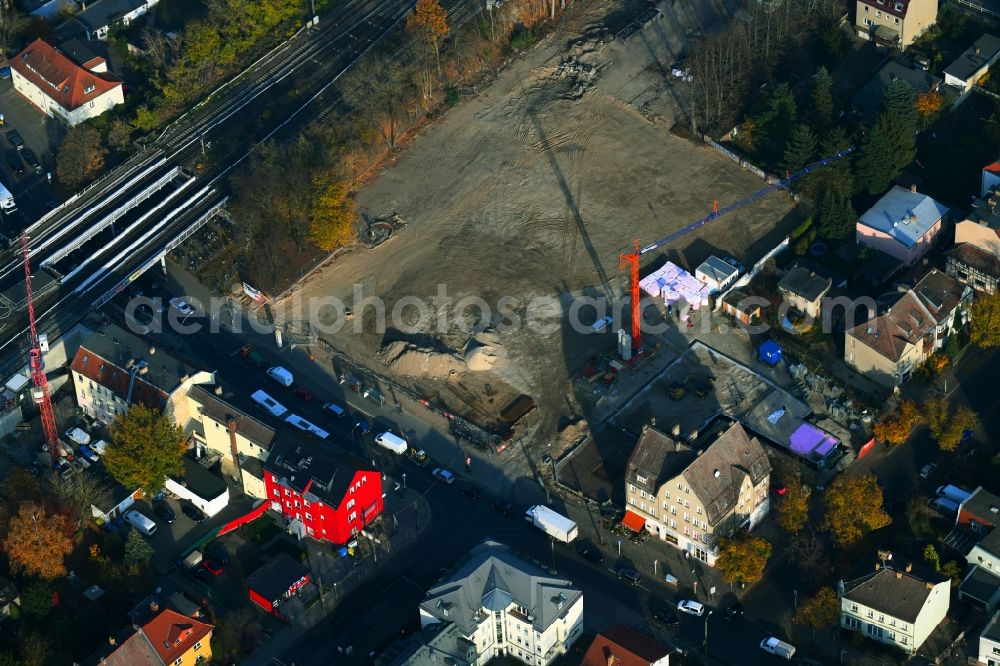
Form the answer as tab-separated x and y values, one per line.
808	439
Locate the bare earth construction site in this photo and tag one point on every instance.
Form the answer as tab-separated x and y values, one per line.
532	189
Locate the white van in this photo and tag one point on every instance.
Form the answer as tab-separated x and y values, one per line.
394	443
309	427
335	409
269	403
140	522
77	436
280	375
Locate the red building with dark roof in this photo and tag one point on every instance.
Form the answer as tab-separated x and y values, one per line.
321	493
279	580
624	646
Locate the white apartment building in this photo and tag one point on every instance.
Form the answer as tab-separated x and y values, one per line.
989	642
497	605
895	606
689	497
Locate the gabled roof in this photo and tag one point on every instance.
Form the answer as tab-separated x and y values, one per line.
492	575
624	646
300	463
656	458
220	411
870	98
715	476
991	542
977	258
939	293
70	85
172	634
898	593
904	215
893	7
717	269
273	580
975	58
805	283
104	13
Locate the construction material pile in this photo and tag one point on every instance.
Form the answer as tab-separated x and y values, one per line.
676	287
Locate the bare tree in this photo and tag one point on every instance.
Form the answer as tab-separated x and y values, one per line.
12	22
377	90
78	493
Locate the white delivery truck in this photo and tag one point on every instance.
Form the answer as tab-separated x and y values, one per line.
7	204
394	443
552	523
778	648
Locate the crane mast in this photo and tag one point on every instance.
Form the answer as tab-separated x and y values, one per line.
40	390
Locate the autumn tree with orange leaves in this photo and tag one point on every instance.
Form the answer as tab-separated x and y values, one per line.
429	25
929	104
897	427
38	541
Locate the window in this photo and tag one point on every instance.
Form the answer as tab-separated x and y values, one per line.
277	493
631	488
350	504
897	21
699	510
308	516
666	495
197	646
306	503
878	14
297	505
178	661
673	510
640	479
902	639
665	506
874	631
687	489
687	531
852	622
899	8
870	23
352	517
871	614
881	618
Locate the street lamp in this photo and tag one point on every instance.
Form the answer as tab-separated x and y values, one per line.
708	615
404	480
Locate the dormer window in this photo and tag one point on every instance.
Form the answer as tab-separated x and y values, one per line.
88	89
899	6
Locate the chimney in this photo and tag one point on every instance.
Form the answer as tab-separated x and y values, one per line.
978	50
609	656
913	188
154	607
930	586
909	567
152	350
218	389
878	565
234	449
676	430
112	641
693	436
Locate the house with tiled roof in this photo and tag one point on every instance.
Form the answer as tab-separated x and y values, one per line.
228	430
973	266
114	369
908	327
978	517
804	289
894	23
63	89
903	224
98	18
981	227
624	646
895	603
497	605
691	494
169	639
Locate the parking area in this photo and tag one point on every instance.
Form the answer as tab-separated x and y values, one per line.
41	136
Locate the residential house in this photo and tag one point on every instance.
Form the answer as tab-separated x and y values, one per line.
624	646
69	92
981	227
688	496
202	488
978	517
742	307
903	224
8	597
496	605
98	18
895	605
974	267
989	642
989	178
276	583
973	65
227	430
894	23
46	9
915	324
804	290
113	369
169	639
114	503
717	274
868	101
321	493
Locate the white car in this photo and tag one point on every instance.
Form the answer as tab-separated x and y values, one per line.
181	306
444	475
77	436
691	607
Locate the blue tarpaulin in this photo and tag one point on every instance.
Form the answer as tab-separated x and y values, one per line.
770	352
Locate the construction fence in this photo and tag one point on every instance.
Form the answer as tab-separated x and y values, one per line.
760	173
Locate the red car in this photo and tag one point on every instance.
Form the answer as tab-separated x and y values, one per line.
302	393
213	567
779	489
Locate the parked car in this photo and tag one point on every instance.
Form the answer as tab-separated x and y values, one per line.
203	575
734	611
690	607
362	426
14	162
444	475
589	552
303	394
779	489
471	492
165	513
32	160
14	138
192	512
216	551
503	506
212	566
927	470
665	616
182	306
630	575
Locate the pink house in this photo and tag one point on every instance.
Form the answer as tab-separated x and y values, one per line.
903	224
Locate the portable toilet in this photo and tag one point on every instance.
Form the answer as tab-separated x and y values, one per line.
770	352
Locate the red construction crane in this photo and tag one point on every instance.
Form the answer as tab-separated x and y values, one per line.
40	393
630	260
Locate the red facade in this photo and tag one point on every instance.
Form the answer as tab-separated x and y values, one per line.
360	505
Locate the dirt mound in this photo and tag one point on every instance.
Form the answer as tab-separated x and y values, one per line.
570	436
484	352
405	358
